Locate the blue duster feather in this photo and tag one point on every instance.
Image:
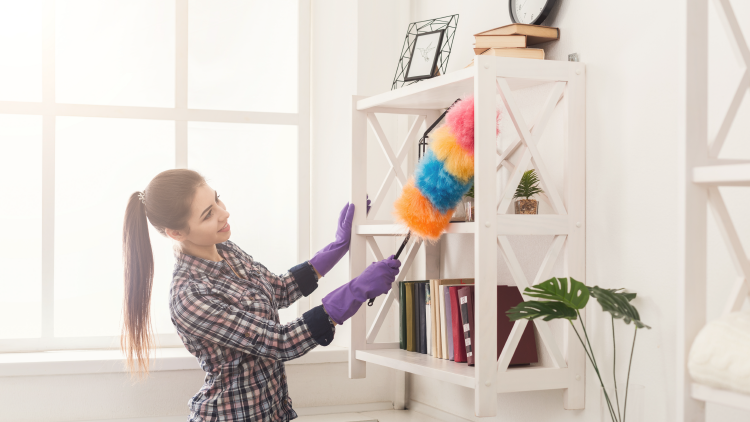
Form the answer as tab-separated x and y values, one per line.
440	187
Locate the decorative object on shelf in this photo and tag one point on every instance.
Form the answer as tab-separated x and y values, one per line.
720	354
528	187
424	55
513	41
442	177
441	54
530	12
469	205
564	298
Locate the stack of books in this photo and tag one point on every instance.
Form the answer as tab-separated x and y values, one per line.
513	41
437	319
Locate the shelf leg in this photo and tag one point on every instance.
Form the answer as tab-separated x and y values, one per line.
358	244
485	256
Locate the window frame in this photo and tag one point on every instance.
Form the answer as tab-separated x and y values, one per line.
50	109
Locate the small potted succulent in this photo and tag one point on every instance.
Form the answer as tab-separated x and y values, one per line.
528	187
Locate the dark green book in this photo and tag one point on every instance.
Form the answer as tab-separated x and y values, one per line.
402	315
410	333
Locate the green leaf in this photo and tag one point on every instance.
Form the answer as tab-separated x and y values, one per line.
572	293
527	187
547	310
618	304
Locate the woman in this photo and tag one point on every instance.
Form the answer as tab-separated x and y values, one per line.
225	305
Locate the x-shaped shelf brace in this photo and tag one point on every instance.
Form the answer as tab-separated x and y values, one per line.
741	288
542	327
740	48
525	144
395	160
386	305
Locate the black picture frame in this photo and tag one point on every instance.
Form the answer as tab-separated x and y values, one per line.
539	19
448	23
433	65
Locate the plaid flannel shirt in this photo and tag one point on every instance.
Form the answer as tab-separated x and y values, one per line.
232	327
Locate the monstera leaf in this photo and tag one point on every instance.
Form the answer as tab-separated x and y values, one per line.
618	304
547	310
568	291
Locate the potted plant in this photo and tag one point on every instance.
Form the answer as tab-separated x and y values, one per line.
563	299
528	187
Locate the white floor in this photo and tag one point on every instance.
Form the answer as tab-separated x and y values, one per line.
378	415
373	416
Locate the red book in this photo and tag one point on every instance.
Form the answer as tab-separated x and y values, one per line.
459	349
508	297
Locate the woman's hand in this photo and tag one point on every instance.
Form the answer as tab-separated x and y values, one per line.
329	256
374	281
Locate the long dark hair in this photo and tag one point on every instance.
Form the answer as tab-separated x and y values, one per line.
166	205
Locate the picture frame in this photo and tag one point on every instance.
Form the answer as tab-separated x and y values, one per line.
424	55
446	23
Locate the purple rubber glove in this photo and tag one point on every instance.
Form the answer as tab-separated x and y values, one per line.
329	256
374	281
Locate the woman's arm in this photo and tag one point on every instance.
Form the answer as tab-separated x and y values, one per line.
199	313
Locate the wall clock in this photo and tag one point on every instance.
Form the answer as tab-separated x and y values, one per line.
532	12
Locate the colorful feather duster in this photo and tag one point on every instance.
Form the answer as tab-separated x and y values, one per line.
442	177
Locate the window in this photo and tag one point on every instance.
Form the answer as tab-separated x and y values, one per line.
96	98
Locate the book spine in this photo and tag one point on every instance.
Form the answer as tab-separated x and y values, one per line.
448	322
464	302
459	351
428	318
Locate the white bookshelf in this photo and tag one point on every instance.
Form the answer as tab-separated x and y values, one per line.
702	174
492	81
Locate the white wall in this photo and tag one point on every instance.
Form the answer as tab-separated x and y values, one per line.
632	178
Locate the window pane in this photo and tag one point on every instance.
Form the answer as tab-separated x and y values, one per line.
21	213
243	55
21	50
115	52
254	169
99	163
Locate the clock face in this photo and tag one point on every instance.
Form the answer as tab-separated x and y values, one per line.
530	11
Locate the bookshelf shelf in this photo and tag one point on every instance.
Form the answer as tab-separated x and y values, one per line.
494	82
518	378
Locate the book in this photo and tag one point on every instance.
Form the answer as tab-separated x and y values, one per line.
521	53
499	41
459	349
402	315
448	321
535	34
428	318
441	342
410	337
466	301
508	297
421	318
434	320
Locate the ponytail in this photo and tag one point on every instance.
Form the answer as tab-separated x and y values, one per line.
170	195
136	340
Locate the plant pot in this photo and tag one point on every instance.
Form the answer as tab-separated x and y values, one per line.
527	206
468	208
635	410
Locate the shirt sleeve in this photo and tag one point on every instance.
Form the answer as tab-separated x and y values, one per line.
201	314
301	280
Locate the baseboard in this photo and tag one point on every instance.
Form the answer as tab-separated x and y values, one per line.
344	408
434	412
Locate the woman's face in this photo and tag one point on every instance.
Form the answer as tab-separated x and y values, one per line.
208	219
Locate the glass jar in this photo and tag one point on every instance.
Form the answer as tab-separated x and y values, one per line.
634	411
469	208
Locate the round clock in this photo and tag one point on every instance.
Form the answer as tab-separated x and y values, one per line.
532	12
